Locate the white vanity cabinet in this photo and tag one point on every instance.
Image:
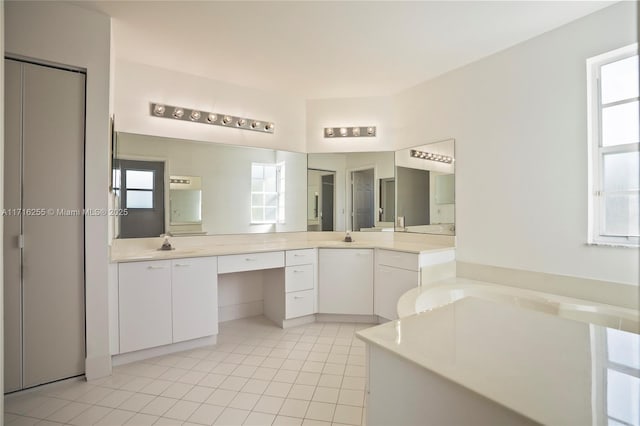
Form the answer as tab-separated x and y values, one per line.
166	301
144	304
396	273
345	281
293	295
195	298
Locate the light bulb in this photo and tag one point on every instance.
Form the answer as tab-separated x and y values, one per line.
178	113
255	124
343	131
211	118
226	119
329	131
356	131
158	109
370	130
195	115
241	122
269	127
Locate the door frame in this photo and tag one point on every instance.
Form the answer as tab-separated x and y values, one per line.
349	193
335	195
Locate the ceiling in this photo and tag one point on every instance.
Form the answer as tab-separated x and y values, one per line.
326	49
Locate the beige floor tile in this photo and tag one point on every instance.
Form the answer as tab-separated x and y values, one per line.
244	401
245	371
287	421
259	419
206	414
192	377
176	390
182	410
286	376
320	411
355	383
305	378
68	412
324	394
212	380
255	386
278	389
142	420
136	402
269	404
310	422
330	380
115	399
116	417
351	397
221	397
294	408
198	394
231	416
233	383
90	416
348	415
158	406
304	392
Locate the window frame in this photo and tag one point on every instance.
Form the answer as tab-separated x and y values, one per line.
596	152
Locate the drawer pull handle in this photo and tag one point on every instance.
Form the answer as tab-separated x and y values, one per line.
298	297
156	267
297	271
181	265
299	255
250	259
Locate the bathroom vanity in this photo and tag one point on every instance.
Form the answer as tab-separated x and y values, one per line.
165	301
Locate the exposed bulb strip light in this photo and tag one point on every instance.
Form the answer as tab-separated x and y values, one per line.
350	132
431	156
204	117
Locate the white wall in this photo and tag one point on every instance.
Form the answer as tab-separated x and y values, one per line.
136	85
66	34
520	124
372	111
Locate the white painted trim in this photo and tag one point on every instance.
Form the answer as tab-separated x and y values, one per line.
163	350
97	367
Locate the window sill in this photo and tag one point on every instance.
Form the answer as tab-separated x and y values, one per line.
612	244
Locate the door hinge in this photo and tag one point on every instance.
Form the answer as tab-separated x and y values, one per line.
21	241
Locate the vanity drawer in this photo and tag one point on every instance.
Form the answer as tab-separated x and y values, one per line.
250	262
298	278
301	257
398	259
299	303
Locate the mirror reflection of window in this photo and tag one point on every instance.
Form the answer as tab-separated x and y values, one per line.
267	193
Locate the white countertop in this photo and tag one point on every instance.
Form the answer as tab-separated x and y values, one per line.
142	252
550	369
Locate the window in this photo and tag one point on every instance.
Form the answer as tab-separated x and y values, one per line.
267	193
139	187
614	138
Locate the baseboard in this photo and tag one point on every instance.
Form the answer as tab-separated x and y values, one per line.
242	310
97	367
294	322
610	293
364	319
163	350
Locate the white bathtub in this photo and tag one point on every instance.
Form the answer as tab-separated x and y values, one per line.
423	299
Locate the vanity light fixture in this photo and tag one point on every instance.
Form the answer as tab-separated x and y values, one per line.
423	155
204	117
178	113
184	181
350	132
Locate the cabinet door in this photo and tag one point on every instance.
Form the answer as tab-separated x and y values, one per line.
346	281
195	298
144	304
390	284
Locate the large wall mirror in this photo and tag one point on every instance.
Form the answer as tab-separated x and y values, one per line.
197	188
351	191
425	188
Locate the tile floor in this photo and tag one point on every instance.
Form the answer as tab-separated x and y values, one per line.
257	374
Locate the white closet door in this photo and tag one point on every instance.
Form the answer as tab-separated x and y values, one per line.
53	253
